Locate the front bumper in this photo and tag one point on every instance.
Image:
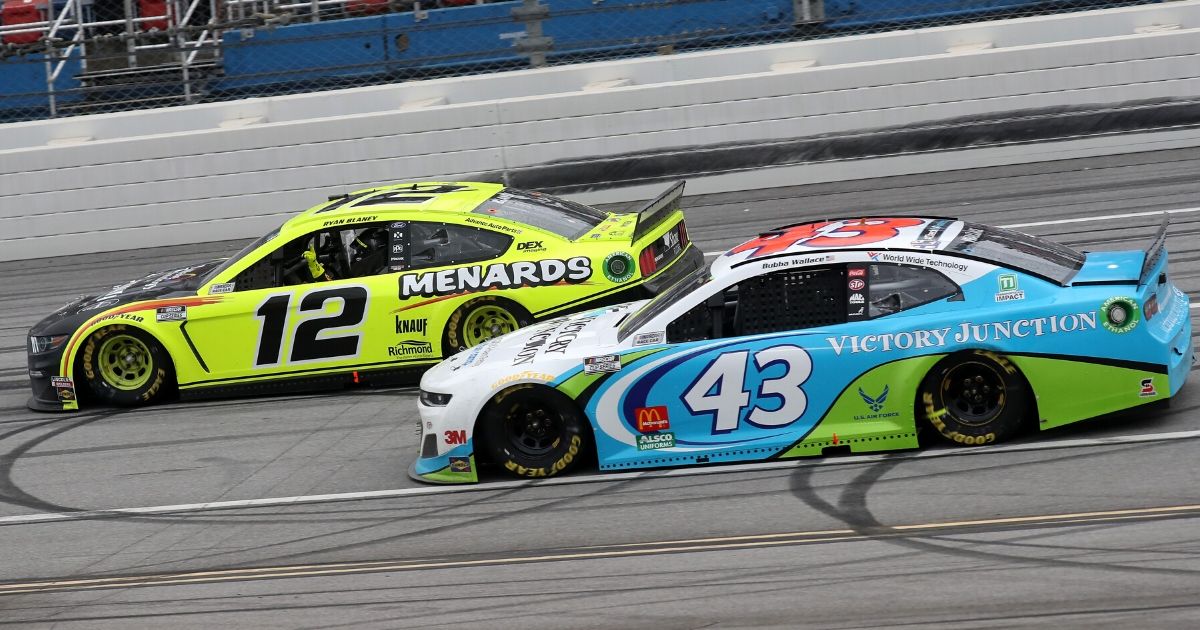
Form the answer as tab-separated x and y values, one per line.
42	368
455	465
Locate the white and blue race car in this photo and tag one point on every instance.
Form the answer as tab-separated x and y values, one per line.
817	338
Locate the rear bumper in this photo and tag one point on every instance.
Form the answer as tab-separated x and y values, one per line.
690	260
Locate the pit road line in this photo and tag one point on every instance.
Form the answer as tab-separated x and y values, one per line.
639	549
56	517
1103	217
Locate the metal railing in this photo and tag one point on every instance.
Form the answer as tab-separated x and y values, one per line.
205	50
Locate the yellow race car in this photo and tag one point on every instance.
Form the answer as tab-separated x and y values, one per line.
367	288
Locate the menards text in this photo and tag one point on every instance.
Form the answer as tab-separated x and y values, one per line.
963	333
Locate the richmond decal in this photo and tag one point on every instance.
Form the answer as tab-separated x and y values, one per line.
495	276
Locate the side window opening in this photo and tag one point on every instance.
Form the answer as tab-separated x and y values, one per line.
353	252
896	288
437	244
789	299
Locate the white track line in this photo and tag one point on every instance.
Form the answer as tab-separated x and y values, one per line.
25	519
1103	217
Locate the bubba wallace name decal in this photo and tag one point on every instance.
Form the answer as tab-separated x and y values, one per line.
964	333
496	276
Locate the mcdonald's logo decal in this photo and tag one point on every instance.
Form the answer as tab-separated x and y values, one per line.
650	419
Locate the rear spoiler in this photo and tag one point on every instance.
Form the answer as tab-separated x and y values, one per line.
655	212
1155	252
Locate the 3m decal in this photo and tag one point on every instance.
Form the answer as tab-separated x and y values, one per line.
963	333
311	338
1147	389
1009	291
720	391
618	267
457	436
655	441
602	364
495	276
1119	314
651	419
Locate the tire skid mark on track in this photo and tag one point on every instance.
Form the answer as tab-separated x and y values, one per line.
46	517
851	508
432	511
10	492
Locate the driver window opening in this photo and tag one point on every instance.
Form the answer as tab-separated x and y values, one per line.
321	256
789	299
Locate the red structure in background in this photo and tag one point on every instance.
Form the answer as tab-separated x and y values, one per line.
22	12
153	8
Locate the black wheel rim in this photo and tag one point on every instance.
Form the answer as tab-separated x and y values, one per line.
533	428
974	393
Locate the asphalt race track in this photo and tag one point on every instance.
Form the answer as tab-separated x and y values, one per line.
1096	525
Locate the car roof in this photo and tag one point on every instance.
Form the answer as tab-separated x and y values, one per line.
862	233
395	200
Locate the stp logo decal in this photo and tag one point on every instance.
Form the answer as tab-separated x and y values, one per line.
857	284
458	436
650	419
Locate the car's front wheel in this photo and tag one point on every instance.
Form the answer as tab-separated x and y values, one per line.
533	431
974	398
482	319
125	366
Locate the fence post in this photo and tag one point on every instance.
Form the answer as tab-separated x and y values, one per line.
534	44
808	11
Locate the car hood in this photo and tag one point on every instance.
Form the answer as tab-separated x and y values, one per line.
550	347
181	280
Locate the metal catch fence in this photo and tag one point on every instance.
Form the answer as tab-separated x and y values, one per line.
70	57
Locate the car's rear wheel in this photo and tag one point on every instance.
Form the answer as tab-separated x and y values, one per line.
533	431
482	319
974	398
125	366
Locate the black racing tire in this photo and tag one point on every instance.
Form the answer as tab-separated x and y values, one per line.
974	398
534	431
125	366
481	319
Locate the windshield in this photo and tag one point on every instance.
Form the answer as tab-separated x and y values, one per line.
567	219
684	286
1019	251
238	256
